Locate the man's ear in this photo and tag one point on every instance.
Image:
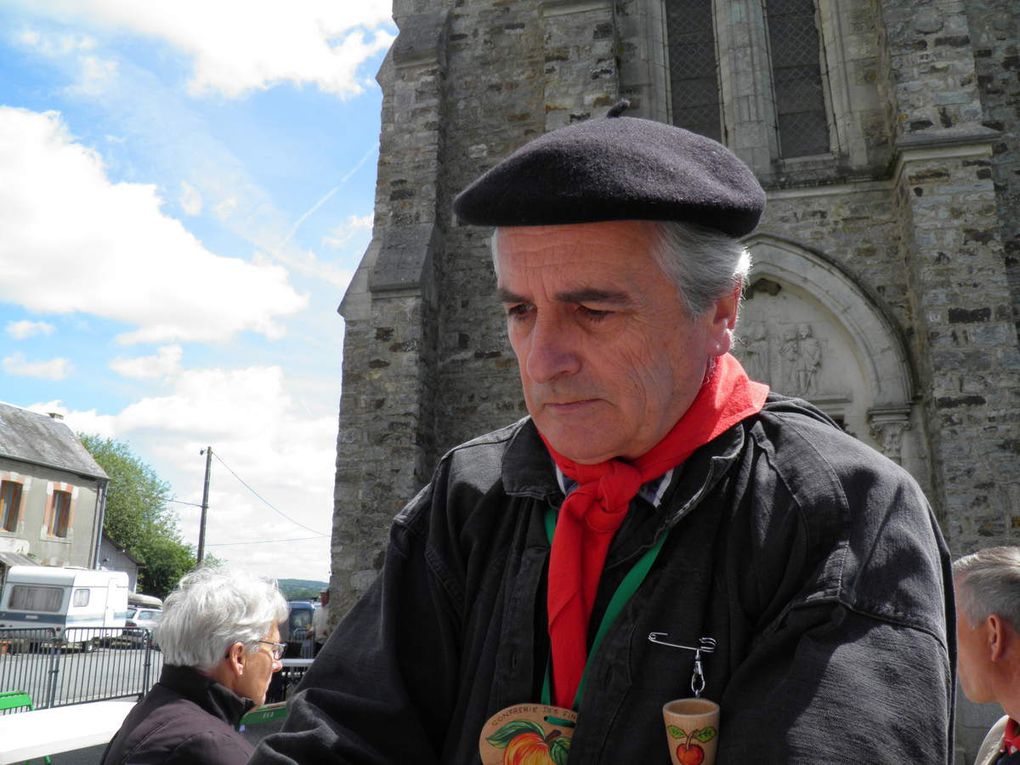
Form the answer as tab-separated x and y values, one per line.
998	637
723	318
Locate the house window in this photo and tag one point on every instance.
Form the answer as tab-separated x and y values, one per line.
693	70
60	519
794	54
10	505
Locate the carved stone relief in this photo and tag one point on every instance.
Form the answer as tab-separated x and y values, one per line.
786	342
808	331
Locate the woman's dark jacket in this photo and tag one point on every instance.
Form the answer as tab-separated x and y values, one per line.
814	561
186	719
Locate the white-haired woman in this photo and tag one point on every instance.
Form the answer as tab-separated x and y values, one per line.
221	645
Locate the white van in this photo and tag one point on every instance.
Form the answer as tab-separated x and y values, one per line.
83	606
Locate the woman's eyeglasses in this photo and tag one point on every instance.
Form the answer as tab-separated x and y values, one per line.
277	648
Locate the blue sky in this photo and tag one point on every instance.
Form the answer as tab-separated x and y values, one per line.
187	190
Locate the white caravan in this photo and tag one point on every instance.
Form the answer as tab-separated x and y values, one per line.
82	606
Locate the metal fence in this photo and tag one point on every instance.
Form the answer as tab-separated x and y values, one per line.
78	665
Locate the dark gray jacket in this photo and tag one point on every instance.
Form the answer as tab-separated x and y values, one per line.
815	563
186	719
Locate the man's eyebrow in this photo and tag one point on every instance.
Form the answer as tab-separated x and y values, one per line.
583	295
594	295
506	296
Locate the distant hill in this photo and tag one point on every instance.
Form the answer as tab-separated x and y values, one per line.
301	589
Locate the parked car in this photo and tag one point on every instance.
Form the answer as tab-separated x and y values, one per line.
140	622
296	632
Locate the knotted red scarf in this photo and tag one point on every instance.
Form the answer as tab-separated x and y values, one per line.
593	512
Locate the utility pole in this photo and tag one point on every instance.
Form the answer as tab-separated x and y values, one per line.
207	451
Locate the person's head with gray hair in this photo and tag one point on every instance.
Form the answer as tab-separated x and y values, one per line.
221	619
987	585
988	582
619	265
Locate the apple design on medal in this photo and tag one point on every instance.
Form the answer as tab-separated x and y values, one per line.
525	742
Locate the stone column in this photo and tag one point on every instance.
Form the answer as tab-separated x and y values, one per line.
887	425
386	418
951	246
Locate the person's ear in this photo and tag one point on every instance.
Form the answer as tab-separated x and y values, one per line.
236	658
996	637
722	320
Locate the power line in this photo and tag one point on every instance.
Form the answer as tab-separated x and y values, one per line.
265	541
264	500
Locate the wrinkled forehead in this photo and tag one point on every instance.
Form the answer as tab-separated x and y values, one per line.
583	245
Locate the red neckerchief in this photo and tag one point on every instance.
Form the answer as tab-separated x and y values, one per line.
593	512
1011	737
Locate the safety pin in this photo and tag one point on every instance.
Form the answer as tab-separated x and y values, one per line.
705	645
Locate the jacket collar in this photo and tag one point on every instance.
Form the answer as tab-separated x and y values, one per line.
528	470
214	698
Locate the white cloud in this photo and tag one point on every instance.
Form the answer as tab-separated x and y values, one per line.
165	363
260	429
308	264
55	369
240	47
190	199
95	75
22	330
55	44
117	254
346	231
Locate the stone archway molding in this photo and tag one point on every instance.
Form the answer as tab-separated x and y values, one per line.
882	357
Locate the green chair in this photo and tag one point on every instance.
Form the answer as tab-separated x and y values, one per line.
265	713
18	701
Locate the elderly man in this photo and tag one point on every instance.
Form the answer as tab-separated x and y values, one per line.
987	620
220	641
680	498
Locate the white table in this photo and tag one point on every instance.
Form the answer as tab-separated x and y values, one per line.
26	735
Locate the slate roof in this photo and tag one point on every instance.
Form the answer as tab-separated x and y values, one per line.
41	440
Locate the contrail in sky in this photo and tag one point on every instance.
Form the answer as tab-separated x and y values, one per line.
326	197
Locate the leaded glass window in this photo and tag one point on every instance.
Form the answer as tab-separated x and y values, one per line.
693	76
797	77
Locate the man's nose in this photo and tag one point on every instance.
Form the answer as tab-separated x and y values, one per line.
551	351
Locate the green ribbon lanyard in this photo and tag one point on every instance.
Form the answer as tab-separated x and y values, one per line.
623	593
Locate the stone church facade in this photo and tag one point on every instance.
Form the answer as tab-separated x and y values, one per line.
886	285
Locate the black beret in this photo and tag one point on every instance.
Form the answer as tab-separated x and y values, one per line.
617	168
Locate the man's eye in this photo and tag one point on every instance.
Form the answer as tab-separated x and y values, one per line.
593	314
518	311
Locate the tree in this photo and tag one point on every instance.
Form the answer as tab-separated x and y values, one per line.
138	516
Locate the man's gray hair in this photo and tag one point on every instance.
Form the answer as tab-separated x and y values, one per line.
705	265
212	608
988	582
